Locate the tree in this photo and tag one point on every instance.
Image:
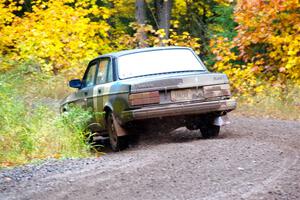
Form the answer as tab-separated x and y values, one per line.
57	35
266	48
198	17
163	11
140	15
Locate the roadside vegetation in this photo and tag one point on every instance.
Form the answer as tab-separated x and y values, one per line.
45	43
31	128
271	104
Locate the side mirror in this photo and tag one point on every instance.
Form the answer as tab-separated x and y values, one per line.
75	83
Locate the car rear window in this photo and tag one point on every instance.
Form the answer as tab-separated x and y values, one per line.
158	61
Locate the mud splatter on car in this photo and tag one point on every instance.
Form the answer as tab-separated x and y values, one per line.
163	84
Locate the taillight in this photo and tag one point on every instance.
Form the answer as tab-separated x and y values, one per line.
144	98
216	90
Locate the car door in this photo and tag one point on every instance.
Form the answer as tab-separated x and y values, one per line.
85	94
103	78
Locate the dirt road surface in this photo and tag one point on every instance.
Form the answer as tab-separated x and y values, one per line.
252	159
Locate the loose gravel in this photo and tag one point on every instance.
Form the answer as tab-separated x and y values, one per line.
252	159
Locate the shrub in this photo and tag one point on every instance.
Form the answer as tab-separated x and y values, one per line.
32	131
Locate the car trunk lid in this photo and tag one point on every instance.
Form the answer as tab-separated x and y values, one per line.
162	83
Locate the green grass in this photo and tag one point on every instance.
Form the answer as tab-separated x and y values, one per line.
272	104
31	130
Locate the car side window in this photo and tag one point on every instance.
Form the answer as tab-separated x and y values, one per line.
89	78
104	71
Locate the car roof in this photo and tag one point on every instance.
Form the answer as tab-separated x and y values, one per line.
125	52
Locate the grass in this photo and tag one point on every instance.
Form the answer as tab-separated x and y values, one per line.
272	104
31	130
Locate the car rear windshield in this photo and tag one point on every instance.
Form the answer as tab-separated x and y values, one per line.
158	62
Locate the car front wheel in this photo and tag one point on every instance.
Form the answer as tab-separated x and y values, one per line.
117	143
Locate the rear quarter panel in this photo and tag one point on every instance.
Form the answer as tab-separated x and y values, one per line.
114	97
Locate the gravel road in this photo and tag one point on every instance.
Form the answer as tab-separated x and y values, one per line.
252	159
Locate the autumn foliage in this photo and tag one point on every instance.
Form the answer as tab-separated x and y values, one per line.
62	36
57	35
256	46
265	53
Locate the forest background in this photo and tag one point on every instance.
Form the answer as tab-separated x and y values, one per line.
43	43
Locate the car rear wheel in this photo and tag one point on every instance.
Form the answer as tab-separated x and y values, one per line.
209	131
117	143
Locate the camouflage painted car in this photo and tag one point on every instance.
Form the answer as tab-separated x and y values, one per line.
167	86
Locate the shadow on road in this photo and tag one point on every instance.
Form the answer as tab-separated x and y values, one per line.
180	135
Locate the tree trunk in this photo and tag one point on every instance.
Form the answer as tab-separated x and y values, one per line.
140	16
164	8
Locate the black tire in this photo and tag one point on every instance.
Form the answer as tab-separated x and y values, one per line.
209	131
117	143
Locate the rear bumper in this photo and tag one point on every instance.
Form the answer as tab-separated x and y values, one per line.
178	109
